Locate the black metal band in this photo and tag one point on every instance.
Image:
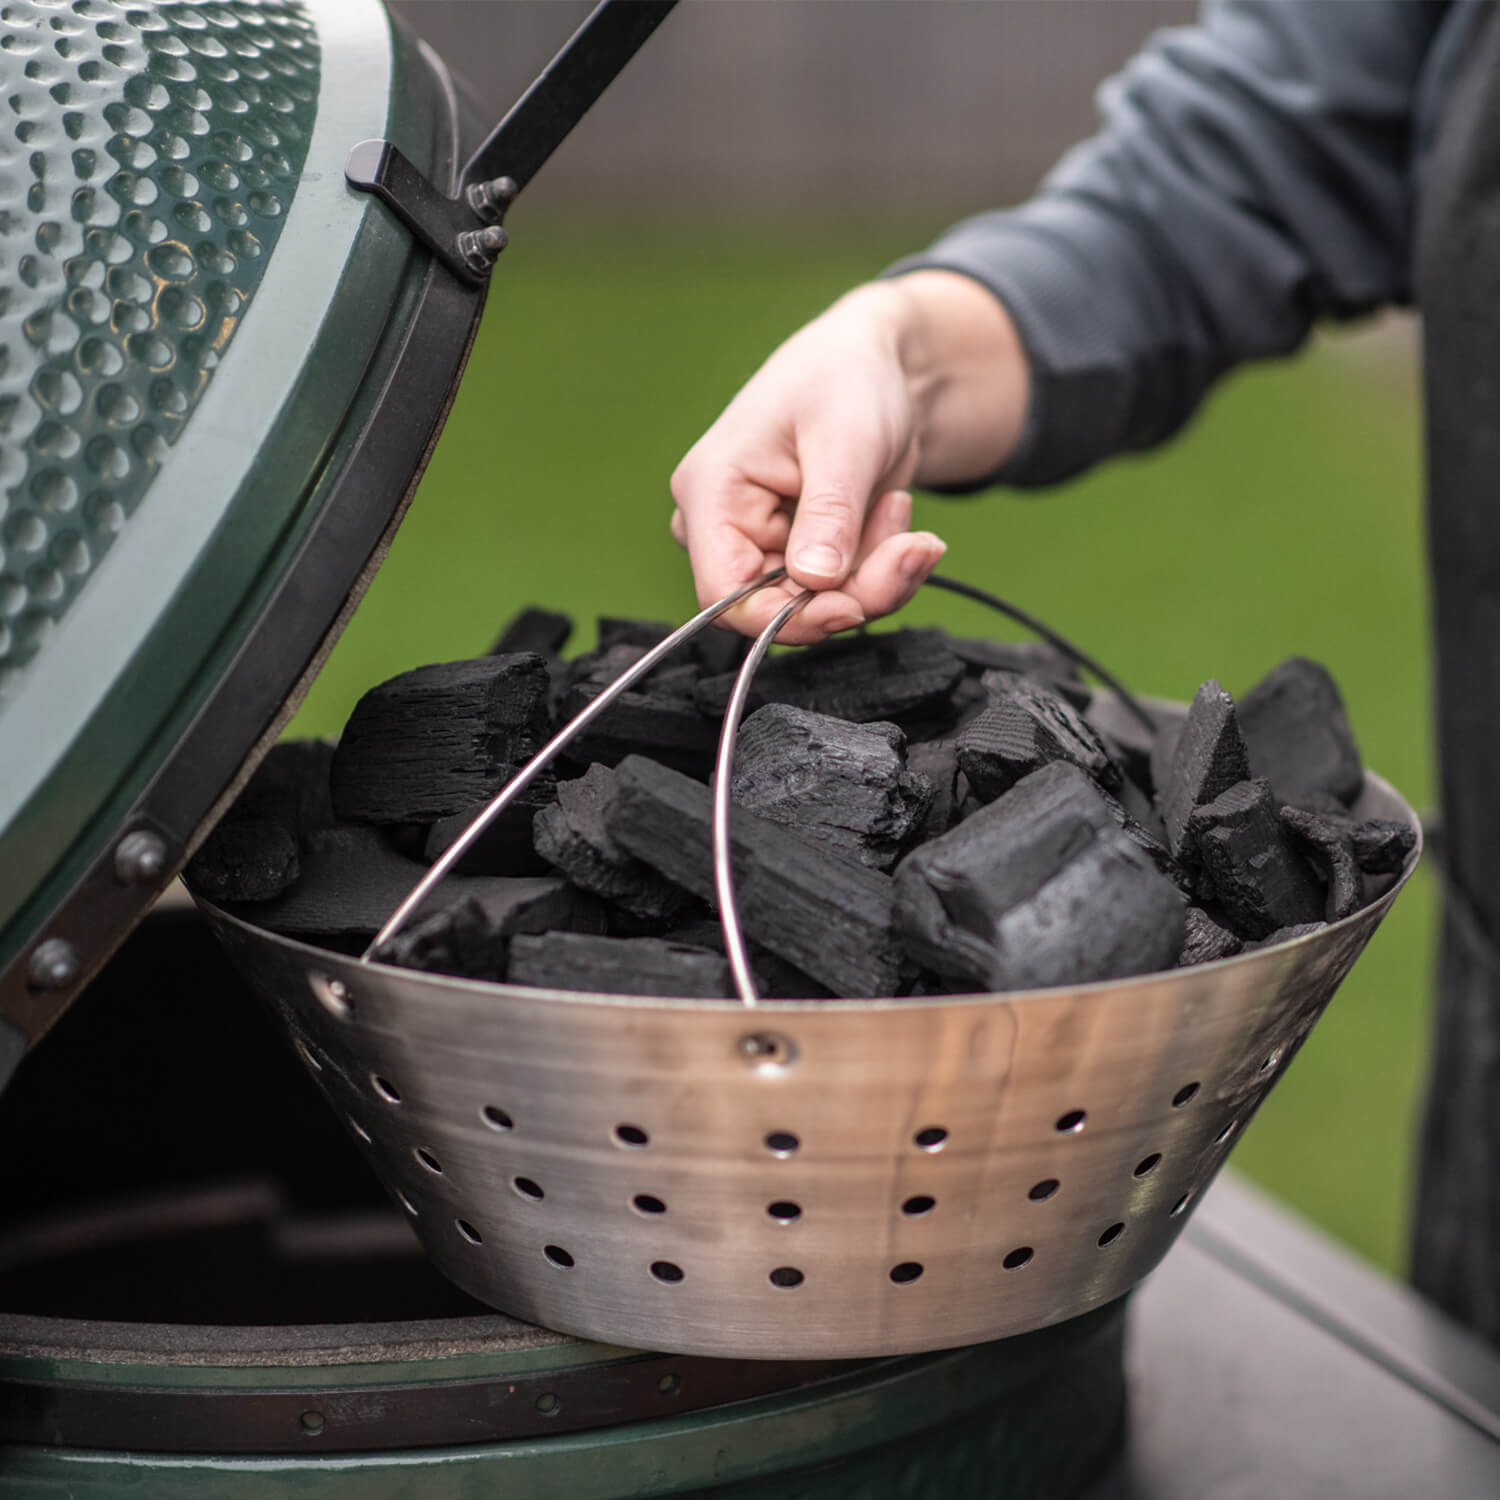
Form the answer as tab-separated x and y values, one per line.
356	1419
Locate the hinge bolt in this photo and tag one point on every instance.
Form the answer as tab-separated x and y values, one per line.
490	199
479	247
140	857
54	965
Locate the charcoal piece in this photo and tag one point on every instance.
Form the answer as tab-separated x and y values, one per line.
1163	752
615	630
543	631
351	882
952	892
1375	886
1105	915
1330	847
825	914
465	927
719	650
291	787
1284	935
1027	658
572	836
1381	845
658	716
618	966
1146	834
1208	758
1024	728
439	739
1128	741
862	678
1298	734
505	847
937	761
1248	864
777	979
244	859
846	785
1204	940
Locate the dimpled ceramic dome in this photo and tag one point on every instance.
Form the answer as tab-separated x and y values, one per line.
198	316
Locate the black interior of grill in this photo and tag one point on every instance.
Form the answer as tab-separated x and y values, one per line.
167	1160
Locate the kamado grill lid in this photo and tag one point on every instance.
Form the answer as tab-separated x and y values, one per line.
222	365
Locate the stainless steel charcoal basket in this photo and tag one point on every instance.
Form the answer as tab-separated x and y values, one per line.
800	1180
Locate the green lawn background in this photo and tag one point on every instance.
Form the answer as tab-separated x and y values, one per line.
1285	519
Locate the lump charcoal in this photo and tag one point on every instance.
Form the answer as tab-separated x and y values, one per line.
825	914
1105	915
1284	935
1024	728
439	739
1208	758
1204	940
543	631
572	836
466	926
657	717
937	760
1248	863
291	787
505	846
707	654
1163	752
1298	734
847	785
952	891
1147	835
1381	845
1027	658
244	859
351	881
1331	850
1125	737
619	966
862	678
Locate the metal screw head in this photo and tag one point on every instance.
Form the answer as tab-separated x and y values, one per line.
54	965
140	857
490	199
479	247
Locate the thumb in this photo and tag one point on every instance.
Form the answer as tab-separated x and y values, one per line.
840	475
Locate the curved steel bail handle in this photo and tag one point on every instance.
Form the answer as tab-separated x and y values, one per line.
544	757
729	915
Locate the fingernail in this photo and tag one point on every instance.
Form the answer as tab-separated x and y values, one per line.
821	559
923	559
843	622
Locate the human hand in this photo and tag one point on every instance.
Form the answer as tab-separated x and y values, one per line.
918	378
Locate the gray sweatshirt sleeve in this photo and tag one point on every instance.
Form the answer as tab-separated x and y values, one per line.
1253	174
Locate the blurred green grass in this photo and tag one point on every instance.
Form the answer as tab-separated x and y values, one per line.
1285	519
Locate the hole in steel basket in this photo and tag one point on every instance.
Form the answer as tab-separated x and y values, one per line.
360	1131
407	1204
768	1051
1225	1133
906	1273
549	1403
670	1385
1271	1061
528	1189
784	1212
914	1208
428	1160
1111	1234
931	1139
1072	1122
312	1422
1148	1164
559	1257
469	1232
1183	1094
334	995
1181	1204
631	1135
782	1143
645	1203
787	1276
386	1089
1018	1257
664	1270
497	1119
1044	1189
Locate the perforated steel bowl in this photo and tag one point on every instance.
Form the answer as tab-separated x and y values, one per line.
845	1178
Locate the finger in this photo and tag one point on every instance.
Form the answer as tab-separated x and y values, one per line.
840	473
679	528
886	580
889	516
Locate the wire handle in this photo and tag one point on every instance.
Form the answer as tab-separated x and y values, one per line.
544	757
